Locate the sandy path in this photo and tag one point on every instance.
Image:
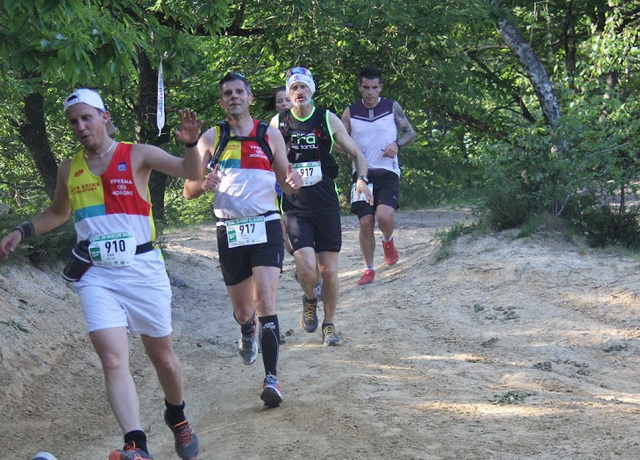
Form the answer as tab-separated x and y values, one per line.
510	348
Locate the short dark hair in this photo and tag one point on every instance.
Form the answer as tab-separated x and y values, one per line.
233	76
370	73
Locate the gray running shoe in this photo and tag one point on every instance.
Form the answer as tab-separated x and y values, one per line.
330	337
248	344
44	456
186	441
309	318
271	394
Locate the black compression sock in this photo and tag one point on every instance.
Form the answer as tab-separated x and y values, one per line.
174	414
248	327
138	438
270	343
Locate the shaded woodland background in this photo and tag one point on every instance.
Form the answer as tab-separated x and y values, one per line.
522	108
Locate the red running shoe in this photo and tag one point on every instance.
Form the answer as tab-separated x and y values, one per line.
390	252
367	278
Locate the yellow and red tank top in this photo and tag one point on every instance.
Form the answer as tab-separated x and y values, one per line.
247	181
109	203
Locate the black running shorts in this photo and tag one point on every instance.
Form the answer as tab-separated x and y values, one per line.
321	231
386	190
237	263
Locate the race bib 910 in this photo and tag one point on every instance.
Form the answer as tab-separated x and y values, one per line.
113	249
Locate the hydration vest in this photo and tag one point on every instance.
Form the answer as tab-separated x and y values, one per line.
225	136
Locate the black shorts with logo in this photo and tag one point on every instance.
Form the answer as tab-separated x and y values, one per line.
237	263
321	230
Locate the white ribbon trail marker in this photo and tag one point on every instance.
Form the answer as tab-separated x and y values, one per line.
160	111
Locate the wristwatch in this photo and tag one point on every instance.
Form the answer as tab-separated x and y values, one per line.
364	178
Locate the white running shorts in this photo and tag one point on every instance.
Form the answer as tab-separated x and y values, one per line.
137	297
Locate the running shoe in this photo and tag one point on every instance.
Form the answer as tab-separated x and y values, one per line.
187	446
44	456
248	344
317	290
367	278
309	318
129	452
271	391
330	337
390	252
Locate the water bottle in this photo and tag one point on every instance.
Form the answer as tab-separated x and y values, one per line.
79	263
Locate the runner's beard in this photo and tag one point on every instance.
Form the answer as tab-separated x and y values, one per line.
301	104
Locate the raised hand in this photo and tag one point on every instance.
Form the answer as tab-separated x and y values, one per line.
189	126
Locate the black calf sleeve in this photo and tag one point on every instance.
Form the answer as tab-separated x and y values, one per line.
270	343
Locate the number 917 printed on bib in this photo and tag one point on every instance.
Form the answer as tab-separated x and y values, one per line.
246	231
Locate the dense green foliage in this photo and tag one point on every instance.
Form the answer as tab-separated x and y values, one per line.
484	132
586	166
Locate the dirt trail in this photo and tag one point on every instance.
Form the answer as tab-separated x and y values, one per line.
510	348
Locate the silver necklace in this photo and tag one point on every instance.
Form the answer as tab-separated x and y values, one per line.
97	157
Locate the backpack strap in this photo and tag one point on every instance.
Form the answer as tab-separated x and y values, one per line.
225	136
262	141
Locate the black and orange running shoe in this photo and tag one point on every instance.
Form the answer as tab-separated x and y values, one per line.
187	446
129	452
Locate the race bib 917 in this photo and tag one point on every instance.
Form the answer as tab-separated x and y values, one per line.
311	172
246	231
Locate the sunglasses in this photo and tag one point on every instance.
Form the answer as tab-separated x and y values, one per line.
299	71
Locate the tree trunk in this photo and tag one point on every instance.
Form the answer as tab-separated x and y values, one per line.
533	68
147	128
33	133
